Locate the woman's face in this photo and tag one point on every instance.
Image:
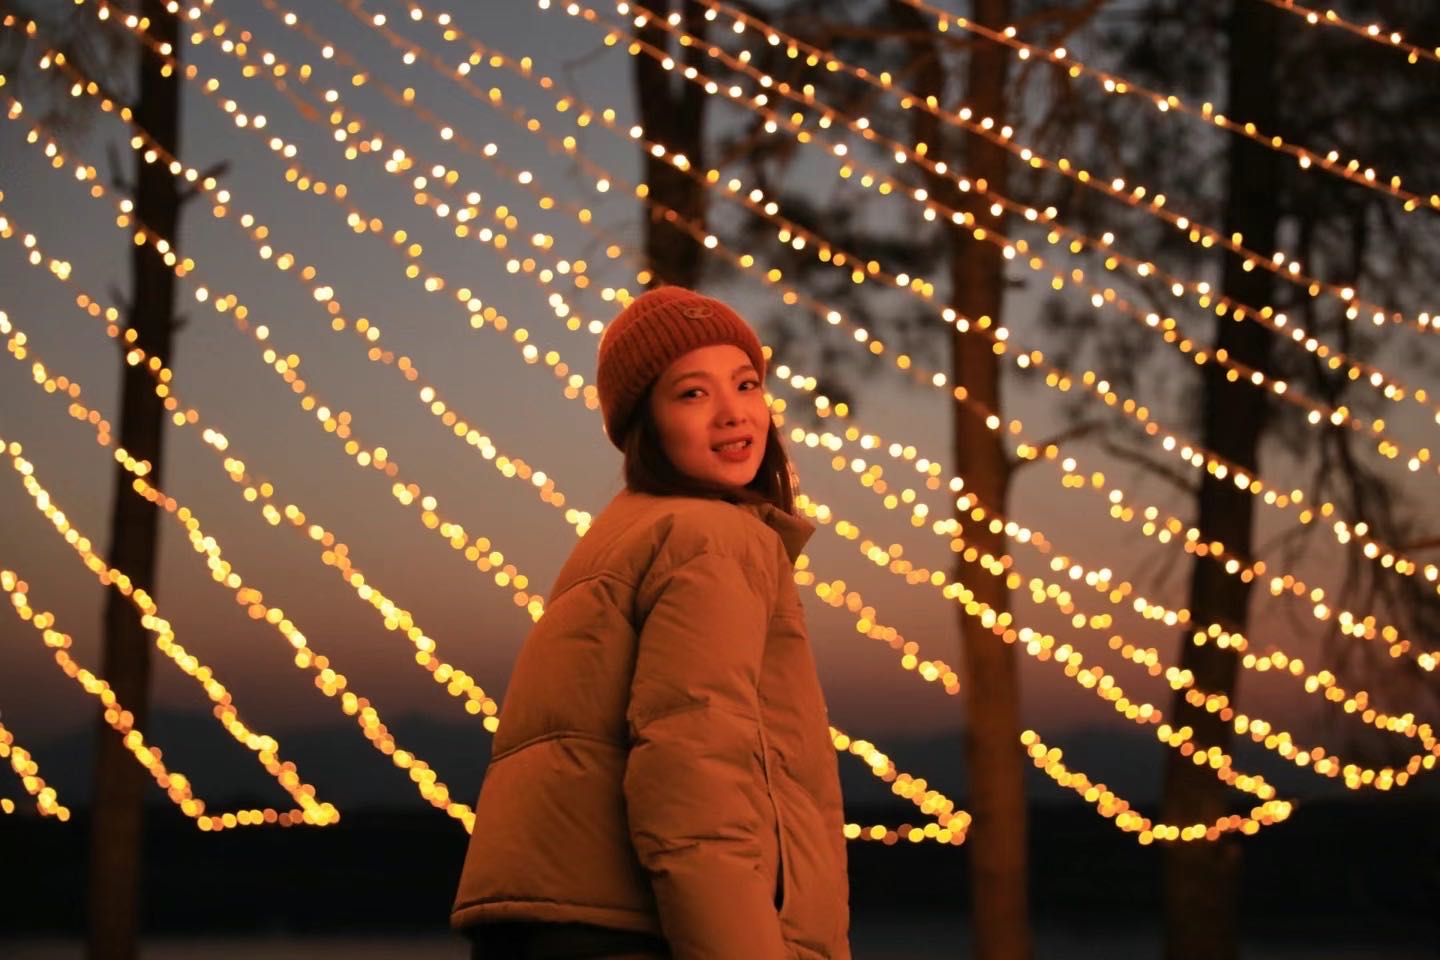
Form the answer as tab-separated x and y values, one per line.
704	401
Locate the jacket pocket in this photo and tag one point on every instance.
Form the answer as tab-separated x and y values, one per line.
780	858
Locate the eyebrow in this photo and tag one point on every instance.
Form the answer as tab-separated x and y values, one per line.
701	373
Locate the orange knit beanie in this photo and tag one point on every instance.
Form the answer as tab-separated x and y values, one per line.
657	328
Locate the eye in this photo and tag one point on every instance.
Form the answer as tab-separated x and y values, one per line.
686	394
750	383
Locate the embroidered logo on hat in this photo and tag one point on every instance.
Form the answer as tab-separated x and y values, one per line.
697	311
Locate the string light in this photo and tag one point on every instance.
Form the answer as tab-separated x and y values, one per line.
329	681
369	332
476	551
175	784
907	786
931	670
949	825
334	52
1214	465
1280	742
1373	32
905	780
837	593
337	55
1196	457
480	314
1349	170
427	394
1205	295
1133	194
334	552
942	664
309	811
451	34
47	801
1373	550
1100	580
1318	414
1164	528
1042	646
1320	683
291	22
1117	810
532	125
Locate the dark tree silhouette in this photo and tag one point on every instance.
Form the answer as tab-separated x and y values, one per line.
1269	69
674	113
101	52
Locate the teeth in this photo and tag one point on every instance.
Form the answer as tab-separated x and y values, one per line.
737	445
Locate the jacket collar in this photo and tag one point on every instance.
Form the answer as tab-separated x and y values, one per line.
794	531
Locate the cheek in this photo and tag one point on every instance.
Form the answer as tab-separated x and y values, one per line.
684	433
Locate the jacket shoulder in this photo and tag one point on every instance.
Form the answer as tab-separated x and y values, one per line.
640	535
687	527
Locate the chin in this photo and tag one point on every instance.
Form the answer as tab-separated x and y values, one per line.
738	480
738	475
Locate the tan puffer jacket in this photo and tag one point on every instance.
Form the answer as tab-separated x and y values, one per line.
663	761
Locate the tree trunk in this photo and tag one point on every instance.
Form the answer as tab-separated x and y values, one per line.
997	844
117	805
1201	879
672	112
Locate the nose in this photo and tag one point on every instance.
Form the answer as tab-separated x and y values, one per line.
728	407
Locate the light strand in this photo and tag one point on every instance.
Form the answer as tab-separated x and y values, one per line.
266	750
1117	810
930	670
477	551
927	677
262	237
1319	414
1195	457
949	824
1040	645
330	49
175	784
1322	682
1373	32
1133	194
1331	163
334	552
451	33
22	761
329	681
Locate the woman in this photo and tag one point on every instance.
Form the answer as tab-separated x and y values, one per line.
662	783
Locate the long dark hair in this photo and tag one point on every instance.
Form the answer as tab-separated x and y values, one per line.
649	470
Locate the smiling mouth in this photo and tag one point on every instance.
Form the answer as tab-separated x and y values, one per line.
732	447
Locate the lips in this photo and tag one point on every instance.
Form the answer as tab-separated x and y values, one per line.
720	447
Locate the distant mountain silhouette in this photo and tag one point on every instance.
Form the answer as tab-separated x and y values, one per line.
348	771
